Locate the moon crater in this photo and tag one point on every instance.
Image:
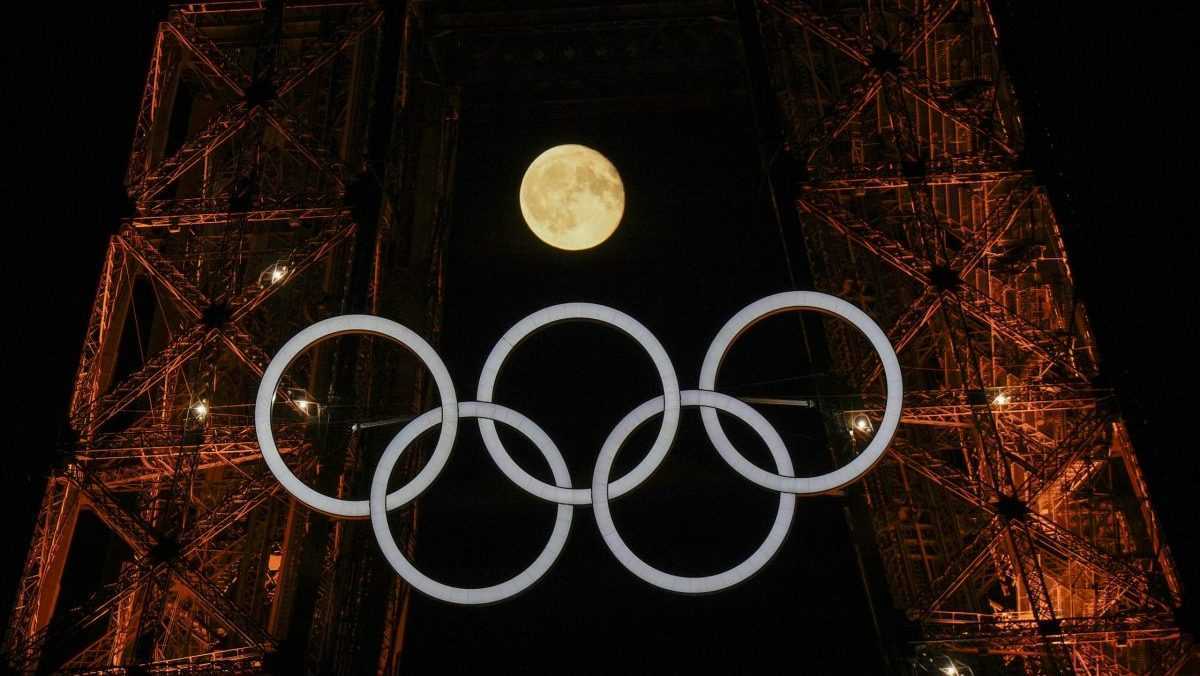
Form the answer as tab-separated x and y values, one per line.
572	197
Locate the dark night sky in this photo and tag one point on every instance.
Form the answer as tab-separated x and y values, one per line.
1109	132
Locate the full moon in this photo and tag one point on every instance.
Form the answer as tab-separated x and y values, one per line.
572	197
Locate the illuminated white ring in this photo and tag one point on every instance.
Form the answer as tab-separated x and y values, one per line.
803	300
604	315
678	583
422	582
323	330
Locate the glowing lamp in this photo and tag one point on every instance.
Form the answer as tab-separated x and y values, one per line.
861	423
200	409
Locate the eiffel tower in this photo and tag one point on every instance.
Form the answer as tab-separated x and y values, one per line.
292	161
265	174
1011	520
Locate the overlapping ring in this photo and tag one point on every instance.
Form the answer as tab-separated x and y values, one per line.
561	492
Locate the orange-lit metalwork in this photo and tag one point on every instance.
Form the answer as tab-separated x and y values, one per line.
1011	519
288	164
260	171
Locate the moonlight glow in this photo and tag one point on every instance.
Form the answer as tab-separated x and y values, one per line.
572	197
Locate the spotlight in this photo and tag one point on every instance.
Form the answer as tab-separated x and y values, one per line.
1001	399
861	423
278	272
200	409
301	399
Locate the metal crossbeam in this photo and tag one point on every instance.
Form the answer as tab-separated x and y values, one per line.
203	469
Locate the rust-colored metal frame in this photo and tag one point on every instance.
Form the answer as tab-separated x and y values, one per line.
996	514
180	588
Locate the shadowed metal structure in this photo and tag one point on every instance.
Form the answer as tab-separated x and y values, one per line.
274	182
1011	520
293	161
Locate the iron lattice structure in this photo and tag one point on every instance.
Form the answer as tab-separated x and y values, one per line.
1011	518
269	154
293	161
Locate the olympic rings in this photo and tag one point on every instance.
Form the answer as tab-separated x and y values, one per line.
799	300
461	595
324	330
601	491
710	401
604	315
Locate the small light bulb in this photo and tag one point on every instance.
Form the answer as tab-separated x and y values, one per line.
1001	399
862	423
200	409
278	273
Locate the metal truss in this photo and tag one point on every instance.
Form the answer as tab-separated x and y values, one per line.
1002	516
243	228
1011	520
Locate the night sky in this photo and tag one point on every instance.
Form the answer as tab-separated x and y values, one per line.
1109	132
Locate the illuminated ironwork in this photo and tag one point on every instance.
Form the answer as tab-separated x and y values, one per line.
1011	519
292	161
265	175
